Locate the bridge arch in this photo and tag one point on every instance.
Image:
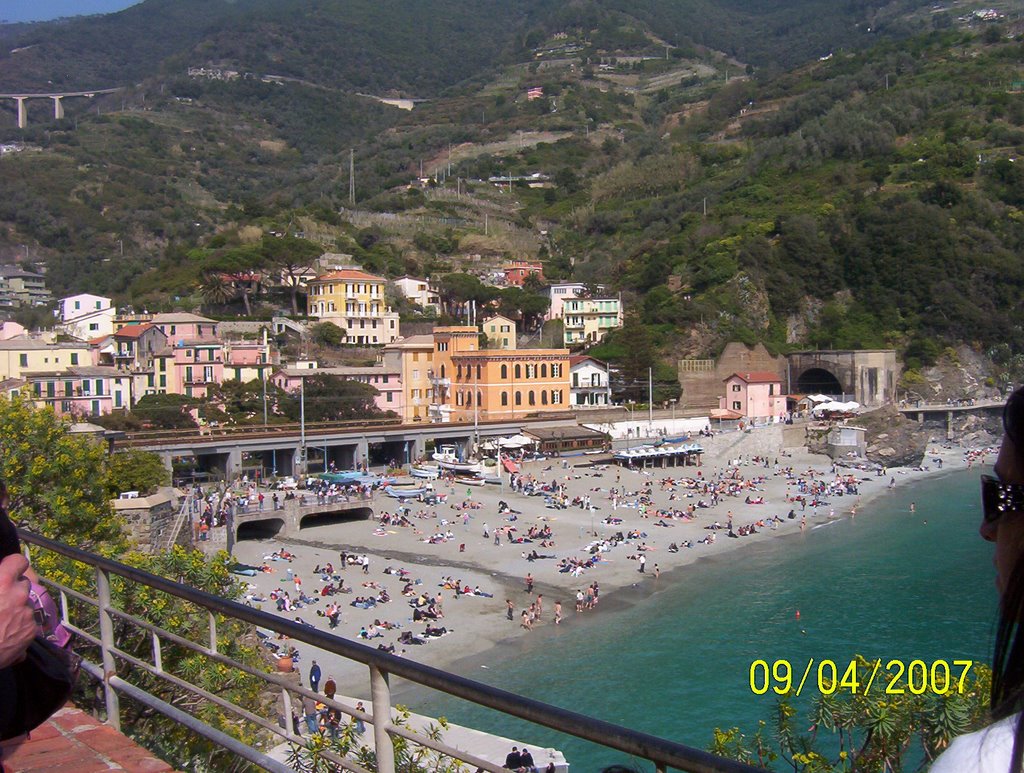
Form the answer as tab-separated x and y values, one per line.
263	528
331	518
819	380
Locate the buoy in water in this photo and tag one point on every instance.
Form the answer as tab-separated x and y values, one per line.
798	614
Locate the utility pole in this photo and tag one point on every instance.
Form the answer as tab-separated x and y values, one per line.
302	421
351	176
650	397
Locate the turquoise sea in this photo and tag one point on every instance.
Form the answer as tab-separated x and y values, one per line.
676	663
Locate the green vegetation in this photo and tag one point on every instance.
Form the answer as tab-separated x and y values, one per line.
60	486
856	728
869	199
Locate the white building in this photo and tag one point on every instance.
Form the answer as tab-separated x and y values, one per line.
559	294
86	316
420	292
588	382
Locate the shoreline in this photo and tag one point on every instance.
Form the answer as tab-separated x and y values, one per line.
479	630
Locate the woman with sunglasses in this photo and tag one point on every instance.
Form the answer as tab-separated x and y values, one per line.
1000	747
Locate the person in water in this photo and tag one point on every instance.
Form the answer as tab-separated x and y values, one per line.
999	748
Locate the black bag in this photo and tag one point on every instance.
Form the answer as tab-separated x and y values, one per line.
41	684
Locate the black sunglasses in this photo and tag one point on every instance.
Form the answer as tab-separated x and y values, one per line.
998	498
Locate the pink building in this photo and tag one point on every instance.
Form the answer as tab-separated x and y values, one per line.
80	391
756	395
182	326
190	368
386	380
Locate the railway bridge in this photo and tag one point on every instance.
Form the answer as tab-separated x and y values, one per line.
293	449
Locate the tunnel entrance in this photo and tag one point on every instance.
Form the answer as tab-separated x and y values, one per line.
331	519
265	528
818	380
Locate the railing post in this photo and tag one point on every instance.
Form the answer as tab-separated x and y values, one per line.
213	632
106	648
380	693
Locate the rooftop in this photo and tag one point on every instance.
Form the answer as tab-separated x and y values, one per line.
73	741
133	331
757	377
180	318
349	274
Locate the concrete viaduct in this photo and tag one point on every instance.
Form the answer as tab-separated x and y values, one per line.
268	448
58	106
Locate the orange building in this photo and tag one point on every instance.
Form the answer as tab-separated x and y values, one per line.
508	383
448	342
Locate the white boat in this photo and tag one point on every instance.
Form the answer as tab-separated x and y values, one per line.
447	459
404	493
429	471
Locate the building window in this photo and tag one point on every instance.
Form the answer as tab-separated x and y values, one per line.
519	398
556	370
390	397
543	370
556	396
74	358
543	397
504	398
519	371
532	398
23	360
478	377
458	371
737	405
531	371
736	387
504	374
479	397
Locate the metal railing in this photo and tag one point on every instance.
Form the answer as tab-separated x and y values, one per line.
663	753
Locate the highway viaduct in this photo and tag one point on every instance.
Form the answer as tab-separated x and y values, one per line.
57	97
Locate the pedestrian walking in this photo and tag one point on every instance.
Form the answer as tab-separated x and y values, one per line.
314	677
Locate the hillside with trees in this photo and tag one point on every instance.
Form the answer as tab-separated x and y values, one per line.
867	196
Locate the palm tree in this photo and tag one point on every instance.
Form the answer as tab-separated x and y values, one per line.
216	290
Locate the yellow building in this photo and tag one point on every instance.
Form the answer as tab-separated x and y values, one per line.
500	332
589	320
354	301
413	357
498	384
28	355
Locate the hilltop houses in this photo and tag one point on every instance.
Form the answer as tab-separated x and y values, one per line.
97	360
354	301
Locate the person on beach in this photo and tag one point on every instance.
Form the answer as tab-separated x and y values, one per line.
509	609
529	582
1000	746
558	613
314	677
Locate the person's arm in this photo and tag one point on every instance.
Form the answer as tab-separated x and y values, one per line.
17	621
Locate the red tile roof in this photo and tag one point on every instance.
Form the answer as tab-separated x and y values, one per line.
757	377
132	331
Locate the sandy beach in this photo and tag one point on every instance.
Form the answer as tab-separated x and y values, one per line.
477	623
